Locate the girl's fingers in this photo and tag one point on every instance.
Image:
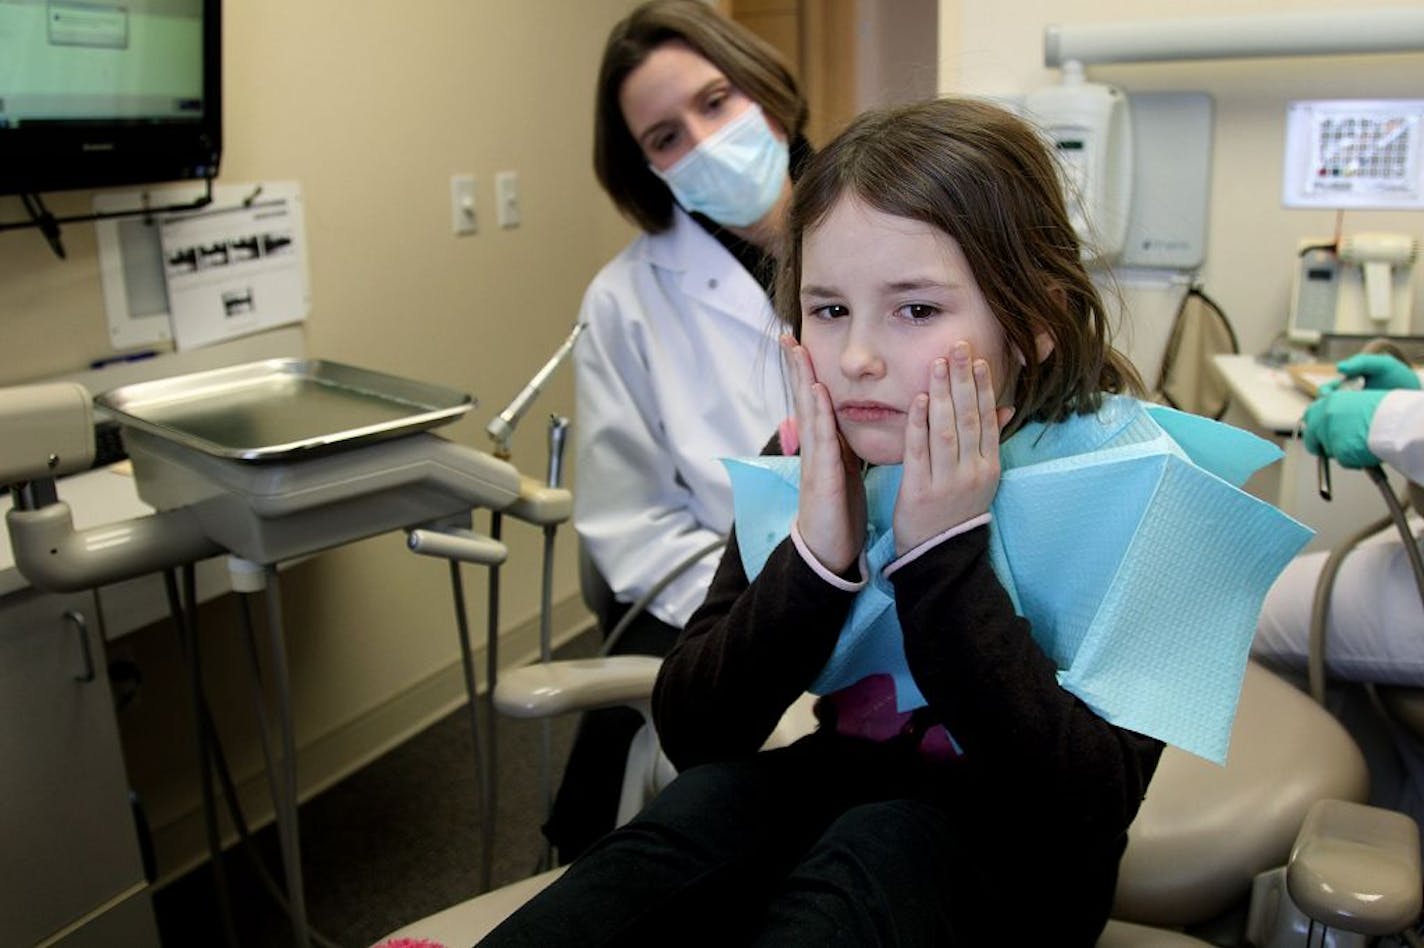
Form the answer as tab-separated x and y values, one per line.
962	389
815	419
831	510
917	435
803	397
943	439
799	403
963	422
795	359
951	449
823	420
988	413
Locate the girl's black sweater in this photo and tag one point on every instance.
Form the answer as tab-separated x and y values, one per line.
1046	788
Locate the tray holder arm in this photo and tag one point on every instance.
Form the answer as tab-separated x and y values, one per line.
47	431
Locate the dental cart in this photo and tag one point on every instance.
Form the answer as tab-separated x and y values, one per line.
267	462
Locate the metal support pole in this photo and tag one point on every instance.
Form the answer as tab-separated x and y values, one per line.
286	802
482	765
491	781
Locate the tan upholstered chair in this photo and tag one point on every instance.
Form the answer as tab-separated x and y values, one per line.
1203	836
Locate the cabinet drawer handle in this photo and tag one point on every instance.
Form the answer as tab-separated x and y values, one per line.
81	625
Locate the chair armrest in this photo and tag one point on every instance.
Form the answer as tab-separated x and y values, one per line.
549	688
1356	868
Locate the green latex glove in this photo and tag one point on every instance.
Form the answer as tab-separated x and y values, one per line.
1379	371
1337	425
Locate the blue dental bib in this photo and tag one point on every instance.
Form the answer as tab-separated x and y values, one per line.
1123	537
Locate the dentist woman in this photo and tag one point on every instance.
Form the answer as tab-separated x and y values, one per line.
697	133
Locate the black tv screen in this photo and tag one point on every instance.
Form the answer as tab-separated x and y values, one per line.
100	93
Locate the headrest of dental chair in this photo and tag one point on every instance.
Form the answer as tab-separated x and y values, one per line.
1204	831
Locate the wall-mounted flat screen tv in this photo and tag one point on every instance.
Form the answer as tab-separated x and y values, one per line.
101	93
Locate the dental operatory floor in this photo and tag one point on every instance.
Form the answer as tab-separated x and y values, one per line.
394	842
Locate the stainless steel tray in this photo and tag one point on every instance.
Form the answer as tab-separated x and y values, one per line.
278	409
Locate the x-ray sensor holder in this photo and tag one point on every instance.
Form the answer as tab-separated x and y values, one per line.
1378	255
1363	285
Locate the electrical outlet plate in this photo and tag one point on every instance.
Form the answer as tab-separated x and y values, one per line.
463	219
506	198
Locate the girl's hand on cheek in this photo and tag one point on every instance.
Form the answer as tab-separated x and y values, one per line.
951	450
831	515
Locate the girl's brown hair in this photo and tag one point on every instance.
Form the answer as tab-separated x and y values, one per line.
748	62
985	178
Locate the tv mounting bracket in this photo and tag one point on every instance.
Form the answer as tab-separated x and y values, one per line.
49	225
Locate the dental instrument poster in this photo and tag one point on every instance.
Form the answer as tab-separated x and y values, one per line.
235	270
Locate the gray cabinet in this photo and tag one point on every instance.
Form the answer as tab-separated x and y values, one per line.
70	869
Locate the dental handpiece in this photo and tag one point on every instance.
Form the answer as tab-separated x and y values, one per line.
502	426
558	435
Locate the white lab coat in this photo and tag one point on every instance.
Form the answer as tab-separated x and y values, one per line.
679	367
1375	631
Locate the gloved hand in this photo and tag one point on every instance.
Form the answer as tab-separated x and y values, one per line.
1337	425
1378	371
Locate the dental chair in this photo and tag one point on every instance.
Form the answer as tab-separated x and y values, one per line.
1404	705
1206	840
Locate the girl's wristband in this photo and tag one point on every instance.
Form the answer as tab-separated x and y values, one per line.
934	541
820	569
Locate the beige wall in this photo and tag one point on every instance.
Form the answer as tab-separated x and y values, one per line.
997	48
371	107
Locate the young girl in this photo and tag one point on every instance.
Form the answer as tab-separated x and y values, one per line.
936	304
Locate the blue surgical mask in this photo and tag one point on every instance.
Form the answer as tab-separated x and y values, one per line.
735	176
